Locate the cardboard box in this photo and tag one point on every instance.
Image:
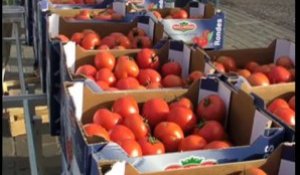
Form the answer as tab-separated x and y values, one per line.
14	119
247	127
75	56
280	162
213	21
171	50
277	48
57	25
267	95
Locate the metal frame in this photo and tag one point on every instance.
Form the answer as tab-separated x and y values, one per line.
15	15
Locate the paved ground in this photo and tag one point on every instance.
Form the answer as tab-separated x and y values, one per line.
254	23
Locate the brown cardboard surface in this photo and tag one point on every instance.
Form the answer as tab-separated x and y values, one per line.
241	111
103	28
269	165
72	12
243	56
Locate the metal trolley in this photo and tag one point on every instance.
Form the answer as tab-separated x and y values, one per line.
13	17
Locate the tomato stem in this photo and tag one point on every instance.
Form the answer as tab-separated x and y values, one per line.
201	123
206	102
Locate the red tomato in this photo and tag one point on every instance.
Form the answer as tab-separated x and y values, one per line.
120	132
147	58
251	66
87	70
125	106
106	118
211	131
286	114
263	69
277	103
151	146
172	81
192	142
211	107
173	68
103	47
136	124
194	76
106	75
126	67
109	41
155	111
180	14
217	144
154	86
219	67
279	74
119	48
115	35
123	41
135	32
77	37
92	129
103	85
285	61
258	79
244	72
105	59
184	117
62	38
141	42
103	16
131	147
183	102
254	171
148	76
90	41
128	83
170	134
292	103
228	63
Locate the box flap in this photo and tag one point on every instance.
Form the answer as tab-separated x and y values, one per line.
180	53
44	5
260	123
147	24
70	55
284	48
76	93
119	7
118	168
197	11
53	25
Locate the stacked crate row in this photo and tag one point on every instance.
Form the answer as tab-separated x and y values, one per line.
196	45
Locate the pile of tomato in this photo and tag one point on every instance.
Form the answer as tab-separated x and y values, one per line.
284	109
157	127
282	71
142	72
107	14
90	40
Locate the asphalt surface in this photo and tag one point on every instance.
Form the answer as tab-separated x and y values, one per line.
278	12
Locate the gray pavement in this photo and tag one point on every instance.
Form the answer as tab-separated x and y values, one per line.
249	24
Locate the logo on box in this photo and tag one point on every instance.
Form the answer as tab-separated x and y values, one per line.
184	26
190	162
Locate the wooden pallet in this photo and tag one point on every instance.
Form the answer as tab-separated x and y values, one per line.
14	119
